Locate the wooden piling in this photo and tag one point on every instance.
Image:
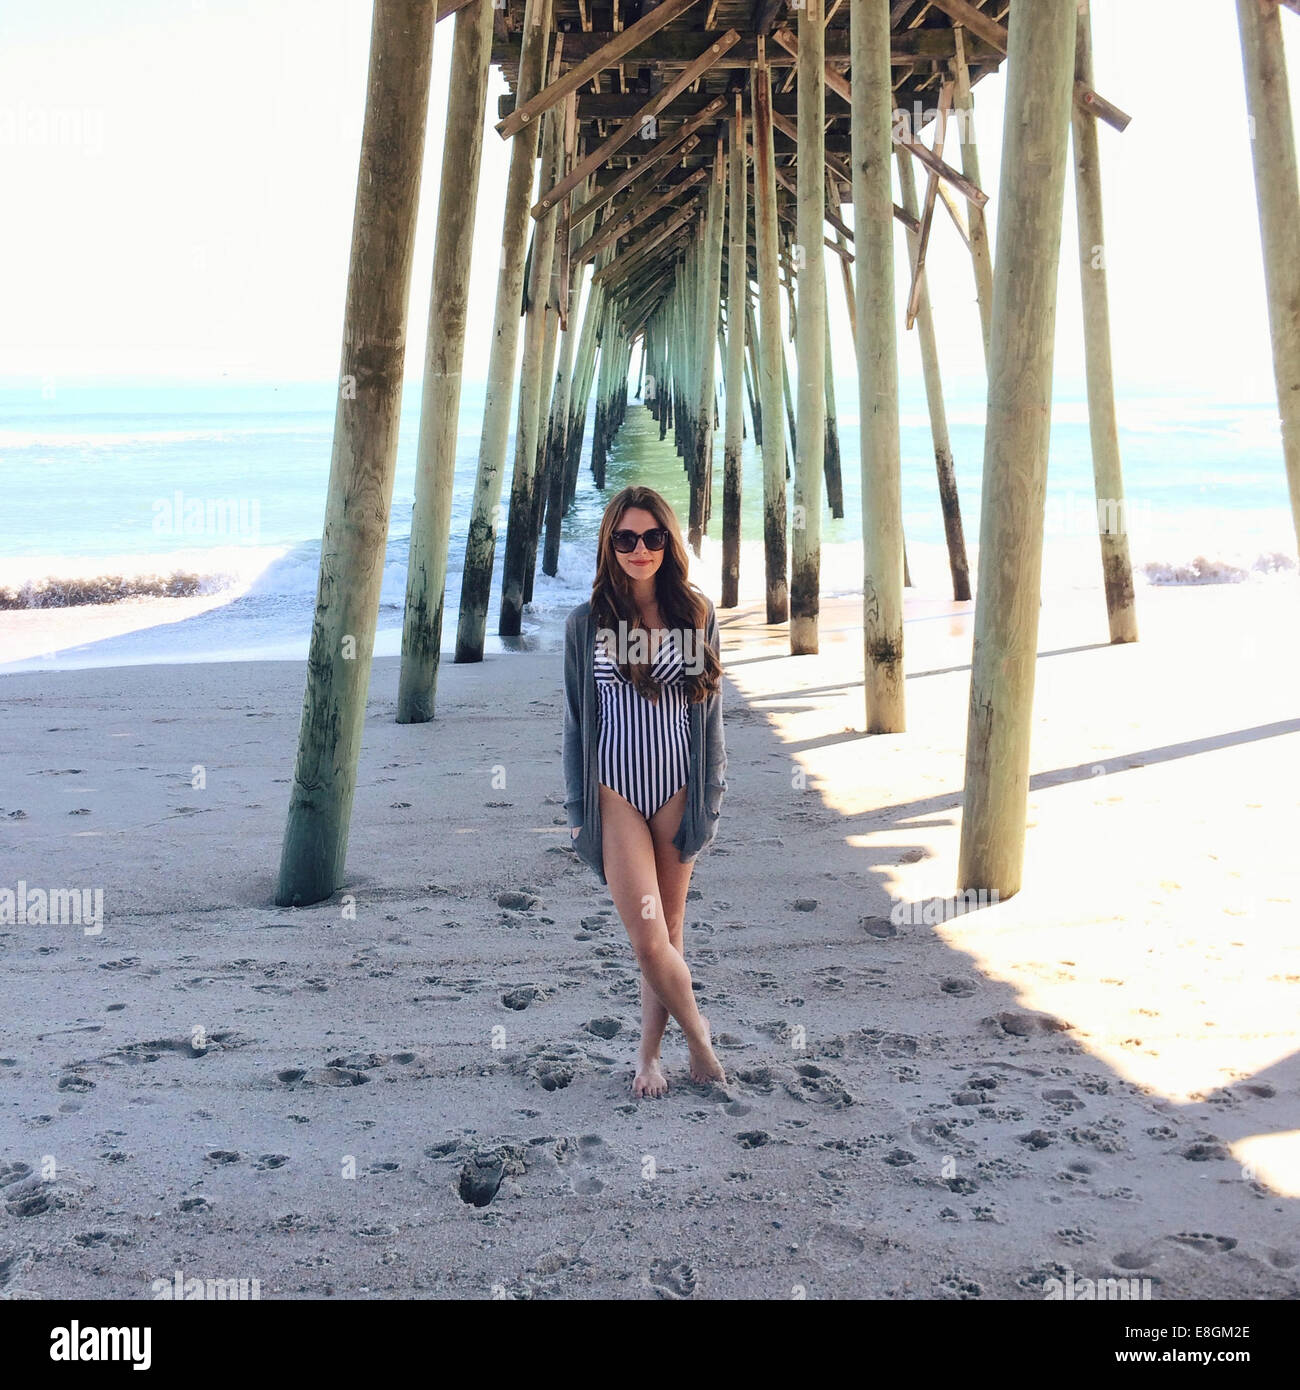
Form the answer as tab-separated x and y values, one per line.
480	543
878	430
545	421
831	452
435	455
1039	89
1107	470
1277	193
949	502
709	290
557	439
364	454
788	398
810	347
752	382
737	299
518	522
770	351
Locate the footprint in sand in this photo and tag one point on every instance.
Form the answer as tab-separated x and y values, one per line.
14	1172
814	1083
1133	1259
835	1246
1205	1152
1204	1242
606	1028
552	1066
482	1173
879	927
523	996
1015	1023
587	1151
958	1286
673	1279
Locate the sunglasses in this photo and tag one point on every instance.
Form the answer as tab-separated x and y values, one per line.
625	541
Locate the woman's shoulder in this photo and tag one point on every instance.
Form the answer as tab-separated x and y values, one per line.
576	615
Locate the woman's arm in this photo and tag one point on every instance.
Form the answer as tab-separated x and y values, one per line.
715	747
573	789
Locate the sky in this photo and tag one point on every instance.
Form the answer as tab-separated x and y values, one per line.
181	176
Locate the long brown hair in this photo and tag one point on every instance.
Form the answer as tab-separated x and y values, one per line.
683	606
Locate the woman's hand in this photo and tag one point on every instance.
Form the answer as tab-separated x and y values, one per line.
573	834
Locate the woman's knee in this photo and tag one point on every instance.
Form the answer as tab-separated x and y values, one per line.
654	952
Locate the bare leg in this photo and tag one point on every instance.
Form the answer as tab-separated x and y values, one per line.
650	1079
628	849
674	880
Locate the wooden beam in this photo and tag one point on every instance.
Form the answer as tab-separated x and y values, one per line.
838	84
833	162
619	44
954	212
633	254
927	208
963	13
631	127
764	16
1088	100
673	46
985	27
448	7
685	138
981	255
832	217
642	212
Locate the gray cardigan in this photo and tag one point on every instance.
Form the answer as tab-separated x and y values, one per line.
706	780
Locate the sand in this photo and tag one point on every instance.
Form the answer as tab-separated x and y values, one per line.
420	1088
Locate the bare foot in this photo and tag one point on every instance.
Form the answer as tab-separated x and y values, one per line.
704	1062
650	1079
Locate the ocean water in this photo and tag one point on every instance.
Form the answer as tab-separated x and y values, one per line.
219	489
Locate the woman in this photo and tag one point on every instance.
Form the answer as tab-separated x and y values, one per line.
644	758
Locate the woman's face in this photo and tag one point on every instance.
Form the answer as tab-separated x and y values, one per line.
641	564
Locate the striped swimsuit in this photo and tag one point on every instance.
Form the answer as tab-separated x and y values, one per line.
645	749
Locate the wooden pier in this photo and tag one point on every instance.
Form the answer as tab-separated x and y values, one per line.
674	169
